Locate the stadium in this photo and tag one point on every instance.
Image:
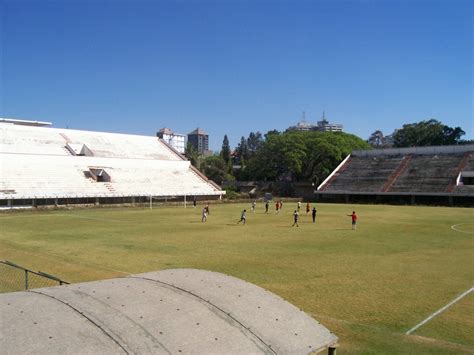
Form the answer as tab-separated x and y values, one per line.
49	166
141	280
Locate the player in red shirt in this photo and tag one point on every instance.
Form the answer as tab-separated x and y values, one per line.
354	219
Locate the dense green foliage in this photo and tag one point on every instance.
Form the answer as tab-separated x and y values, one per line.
215	168
427	133
192	155
308	156
368	286
225	151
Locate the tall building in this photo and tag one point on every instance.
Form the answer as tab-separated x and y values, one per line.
177	141
323	126
199	140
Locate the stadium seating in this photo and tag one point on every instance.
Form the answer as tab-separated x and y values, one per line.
364	174
428	173
375	172
52	141
38	162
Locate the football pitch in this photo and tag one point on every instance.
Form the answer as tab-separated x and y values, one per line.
369	286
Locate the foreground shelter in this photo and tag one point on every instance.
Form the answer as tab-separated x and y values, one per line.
41	165
177	311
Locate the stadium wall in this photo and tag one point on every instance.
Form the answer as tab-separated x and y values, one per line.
434	199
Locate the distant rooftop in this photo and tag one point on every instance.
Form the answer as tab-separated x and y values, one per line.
165	130
198	131
25	122
323	125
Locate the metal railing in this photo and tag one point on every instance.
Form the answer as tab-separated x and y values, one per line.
14	277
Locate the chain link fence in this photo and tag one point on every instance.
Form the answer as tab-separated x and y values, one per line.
17	278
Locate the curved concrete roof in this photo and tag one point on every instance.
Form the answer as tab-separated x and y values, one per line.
175	311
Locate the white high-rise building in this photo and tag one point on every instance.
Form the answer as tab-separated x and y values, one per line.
175	140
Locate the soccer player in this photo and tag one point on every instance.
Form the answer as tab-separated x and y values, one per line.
254	204
313	214
266	207
307	208
354	219
243	217
204	215
277	206
295	217
299	206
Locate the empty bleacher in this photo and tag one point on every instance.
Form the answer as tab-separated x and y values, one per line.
18	139
426	171
35	163
364	174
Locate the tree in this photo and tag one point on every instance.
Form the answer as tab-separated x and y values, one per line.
225	152
192	154
426	133
376	139
215	168
242	151
308	156
269	133
254	143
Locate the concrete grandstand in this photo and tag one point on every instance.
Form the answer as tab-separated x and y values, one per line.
428	175
50	166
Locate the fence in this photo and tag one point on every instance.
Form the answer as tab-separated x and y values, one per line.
17	278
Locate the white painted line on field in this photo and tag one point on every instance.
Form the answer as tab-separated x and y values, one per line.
454	228
440	311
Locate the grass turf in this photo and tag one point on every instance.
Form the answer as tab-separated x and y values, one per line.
369	286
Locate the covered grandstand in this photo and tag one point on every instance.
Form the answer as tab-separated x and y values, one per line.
50	166
427	175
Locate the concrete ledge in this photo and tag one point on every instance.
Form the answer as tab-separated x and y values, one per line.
166	312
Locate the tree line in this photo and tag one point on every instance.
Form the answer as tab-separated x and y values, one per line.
421	134
290	156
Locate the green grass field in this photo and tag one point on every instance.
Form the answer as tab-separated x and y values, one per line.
368	286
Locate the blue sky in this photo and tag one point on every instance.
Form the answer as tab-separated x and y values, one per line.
235	66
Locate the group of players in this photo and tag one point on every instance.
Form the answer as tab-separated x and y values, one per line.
278	208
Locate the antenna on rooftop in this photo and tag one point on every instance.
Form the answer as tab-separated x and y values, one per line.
324	117
303	116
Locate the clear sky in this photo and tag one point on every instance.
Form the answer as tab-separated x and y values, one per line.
235	66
